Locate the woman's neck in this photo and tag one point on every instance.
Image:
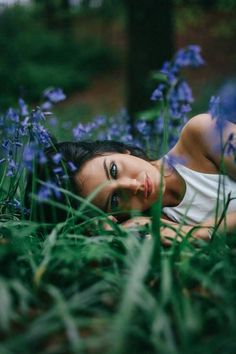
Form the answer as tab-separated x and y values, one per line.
174	186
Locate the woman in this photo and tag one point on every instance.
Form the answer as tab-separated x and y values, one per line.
125	180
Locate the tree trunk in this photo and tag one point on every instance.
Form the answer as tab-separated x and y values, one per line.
150	36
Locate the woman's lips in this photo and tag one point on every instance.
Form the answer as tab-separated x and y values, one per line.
148	186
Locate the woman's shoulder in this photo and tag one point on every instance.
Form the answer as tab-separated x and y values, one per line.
193	144
201	142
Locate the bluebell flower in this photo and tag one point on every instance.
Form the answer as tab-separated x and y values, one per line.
98	121
23	129
48	190
58	170
41	135
44	193
12	115
227	95
170	71
5	144
47	105
42	157
157	94
71	166
57	158
23	107
216	112
214	107
190	56
143	127
54	95
79	131
31	153
11	168
37	115
159	125
184	92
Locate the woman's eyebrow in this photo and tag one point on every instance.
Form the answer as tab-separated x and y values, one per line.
106	169
108	177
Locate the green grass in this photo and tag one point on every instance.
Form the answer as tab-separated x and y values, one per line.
64	292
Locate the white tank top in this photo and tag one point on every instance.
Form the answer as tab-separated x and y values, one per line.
200	199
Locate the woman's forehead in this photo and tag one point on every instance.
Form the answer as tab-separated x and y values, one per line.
91	175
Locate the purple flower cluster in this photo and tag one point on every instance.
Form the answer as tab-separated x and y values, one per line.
105	128
23	140
173	96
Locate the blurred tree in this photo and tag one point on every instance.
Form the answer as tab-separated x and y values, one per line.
151	42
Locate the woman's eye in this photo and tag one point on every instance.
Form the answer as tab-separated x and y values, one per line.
114	201
113	170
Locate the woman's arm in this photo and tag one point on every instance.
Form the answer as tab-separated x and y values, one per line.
171	230
226	224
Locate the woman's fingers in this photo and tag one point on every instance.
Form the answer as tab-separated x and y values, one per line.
107	226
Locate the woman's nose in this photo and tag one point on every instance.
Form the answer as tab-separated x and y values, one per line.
130	184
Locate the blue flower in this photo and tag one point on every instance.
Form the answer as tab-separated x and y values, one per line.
189	56
44	193
5	144
159	125
143	127
71	166
48	190
227	95
54	95
215	110
157	94
11	168
58	170
12	115
37	115
57	158
47	105
184	92
23	107
170	70
31	153
41	135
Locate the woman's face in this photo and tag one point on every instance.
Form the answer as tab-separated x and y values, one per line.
126	182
